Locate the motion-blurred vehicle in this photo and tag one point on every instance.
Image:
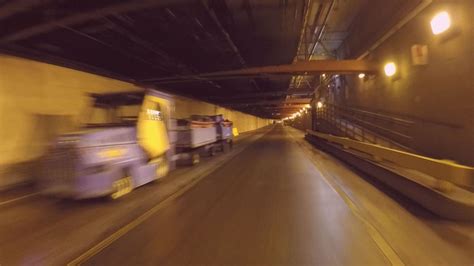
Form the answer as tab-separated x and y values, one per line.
202	134
111	159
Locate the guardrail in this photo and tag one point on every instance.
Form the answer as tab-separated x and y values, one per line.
452	172
368	126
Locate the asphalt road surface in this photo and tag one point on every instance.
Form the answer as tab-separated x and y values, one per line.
277	202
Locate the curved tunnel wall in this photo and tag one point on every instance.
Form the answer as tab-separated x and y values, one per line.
38	101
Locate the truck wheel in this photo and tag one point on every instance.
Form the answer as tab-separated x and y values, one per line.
195	158
225	146
231	144
212	151
163	168
121	187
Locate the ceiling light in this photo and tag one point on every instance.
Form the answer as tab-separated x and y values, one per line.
440	23
390	69
361	75
319	104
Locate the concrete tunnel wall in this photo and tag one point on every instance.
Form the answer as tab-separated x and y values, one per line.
38	101
438	96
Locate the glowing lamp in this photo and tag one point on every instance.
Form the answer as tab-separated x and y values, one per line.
390	69
361	75
440	23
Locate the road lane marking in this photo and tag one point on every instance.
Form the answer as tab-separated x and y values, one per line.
142	218
18	199
376	236
127	228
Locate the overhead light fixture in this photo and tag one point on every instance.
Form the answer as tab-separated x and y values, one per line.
440	23
319	105
390	69
361	75
323	75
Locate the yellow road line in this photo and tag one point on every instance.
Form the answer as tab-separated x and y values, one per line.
376	236
127	228
18	199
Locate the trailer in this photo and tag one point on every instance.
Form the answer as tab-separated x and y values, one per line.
200	135
224	129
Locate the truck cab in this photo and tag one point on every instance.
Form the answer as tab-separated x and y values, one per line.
113	157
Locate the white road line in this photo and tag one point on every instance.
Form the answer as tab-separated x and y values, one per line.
376	236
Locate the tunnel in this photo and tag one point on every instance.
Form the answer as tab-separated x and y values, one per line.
237	132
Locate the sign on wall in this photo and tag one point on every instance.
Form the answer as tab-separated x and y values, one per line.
419	54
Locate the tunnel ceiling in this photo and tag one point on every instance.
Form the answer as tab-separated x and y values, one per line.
139	41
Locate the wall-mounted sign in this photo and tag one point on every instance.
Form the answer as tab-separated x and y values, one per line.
419	54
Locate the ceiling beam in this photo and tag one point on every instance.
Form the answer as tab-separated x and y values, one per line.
15	7
276	102
304	93
284	107
298	68
82	17
301	67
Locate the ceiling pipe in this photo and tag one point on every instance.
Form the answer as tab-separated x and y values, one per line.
421	6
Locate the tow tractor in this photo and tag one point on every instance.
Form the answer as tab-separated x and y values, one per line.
113	158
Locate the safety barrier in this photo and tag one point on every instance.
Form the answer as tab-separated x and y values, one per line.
452	172
393	132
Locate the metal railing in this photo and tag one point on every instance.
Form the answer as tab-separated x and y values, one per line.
362	125
452	172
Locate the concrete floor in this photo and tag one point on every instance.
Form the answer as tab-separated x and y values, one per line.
274	201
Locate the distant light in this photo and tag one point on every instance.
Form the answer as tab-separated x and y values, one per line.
390	69
319	105
440	23
361	75
324	76
308	106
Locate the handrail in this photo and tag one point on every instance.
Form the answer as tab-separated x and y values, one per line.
369	132
407	119
381	128
376	115
453	172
